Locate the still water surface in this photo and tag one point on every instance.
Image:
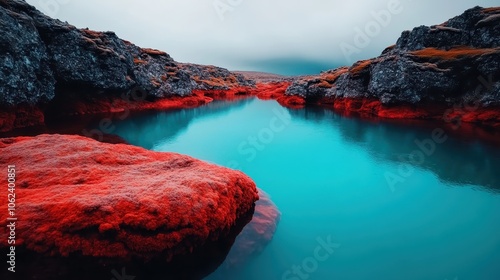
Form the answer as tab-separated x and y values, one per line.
389	212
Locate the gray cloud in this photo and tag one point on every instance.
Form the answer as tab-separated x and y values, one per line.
258	34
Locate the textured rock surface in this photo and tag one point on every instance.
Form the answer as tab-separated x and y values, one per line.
46	61
24	63
430	69
81	197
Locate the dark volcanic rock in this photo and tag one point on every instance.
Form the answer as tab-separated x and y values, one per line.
25	76
46	61
443	66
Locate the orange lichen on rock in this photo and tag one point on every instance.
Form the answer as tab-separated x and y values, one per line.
224	94
119	201
331	77
360	66
229	81
153	51
92	33
492	10
454	53
325	84
139	61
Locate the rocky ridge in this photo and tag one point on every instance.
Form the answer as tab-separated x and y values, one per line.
440	71
49	67
53	69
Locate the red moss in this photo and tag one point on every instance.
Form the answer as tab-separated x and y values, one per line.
20	116
119	201
267	91
369	107
276	91
292	101
454	53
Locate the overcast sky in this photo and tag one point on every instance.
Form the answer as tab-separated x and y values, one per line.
285	36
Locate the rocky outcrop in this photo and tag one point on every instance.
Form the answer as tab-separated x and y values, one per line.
431	72
105	204
446	72
52	68
119	201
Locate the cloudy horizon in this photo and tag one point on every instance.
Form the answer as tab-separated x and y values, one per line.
278	37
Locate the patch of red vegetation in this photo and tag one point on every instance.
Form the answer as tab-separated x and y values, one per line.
267	91
454	53
276	91
370	107
118	105
292	101
119	201
20	116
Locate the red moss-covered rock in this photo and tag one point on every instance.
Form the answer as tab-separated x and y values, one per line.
276	91
371	107
79	196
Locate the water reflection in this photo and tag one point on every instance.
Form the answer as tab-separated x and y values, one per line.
147	129
457	160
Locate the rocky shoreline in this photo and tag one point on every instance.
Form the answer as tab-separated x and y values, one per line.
127	203
442	72
122	204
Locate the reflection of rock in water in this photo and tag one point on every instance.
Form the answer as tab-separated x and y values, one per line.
456	161
120	206
146	129
256	234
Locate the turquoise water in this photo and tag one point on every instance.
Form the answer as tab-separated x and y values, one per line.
389	209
